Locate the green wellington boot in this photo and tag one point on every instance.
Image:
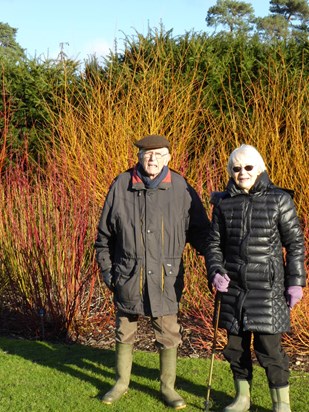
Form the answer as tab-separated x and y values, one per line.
241	402
168	360
124	355
281	399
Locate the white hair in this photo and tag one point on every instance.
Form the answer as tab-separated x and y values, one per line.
251	152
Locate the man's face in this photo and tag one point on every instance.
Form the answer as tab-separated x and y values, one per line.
245	171
153	160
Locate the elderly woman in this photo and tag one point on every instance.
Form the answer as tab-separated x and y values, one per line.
253	222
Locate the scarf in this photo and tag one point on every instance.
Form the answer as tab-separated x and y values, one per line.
151	183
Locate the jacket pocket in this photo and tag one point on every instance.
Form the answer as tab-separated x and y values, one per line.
173	282
271	272
276	276
127	280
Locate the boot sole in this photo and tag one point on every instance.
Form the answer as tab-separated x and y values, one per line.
176	408
110	402
107	402
180	407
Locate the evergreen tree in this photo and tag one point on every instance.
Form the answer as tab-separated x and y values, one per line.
272	27
296	14
236	15
9	48
291	10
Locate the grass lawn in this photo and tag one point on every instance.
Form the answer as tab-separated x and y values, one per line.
40	376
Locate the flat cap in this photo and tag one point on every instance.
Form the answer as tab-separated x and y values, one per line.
152	141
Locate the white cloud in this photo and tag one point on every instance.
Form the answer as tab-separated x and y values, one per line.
98	47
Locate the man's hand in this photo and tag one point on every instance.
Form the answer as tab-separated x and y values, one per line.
108	280
293	295
221	282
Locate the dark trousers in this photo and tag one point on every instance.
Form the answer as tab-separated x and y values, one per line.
166	329
269	353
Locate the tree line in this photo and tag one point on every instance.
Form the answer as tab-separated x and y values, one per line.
237	51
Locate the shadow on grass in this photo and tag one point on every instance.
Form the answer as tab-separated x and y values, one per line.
96	366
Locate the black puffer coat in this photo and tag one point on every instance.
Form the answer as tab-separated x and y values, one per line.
249	231
141	237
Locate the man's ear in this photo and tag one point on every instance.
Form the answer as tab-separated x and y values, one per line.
167	159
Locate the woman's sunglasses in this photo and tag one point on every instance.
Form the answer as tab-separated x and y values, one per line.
237	169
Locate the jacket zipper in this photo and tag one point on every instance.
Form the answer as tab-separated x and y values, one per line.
141	281
162	268
141	271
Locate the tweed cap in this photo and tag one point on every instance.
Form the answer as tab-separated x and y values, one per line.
152	141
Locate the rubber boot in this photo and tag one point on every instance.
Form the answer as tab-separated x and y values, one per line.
124	355
281	399
168	360
241	402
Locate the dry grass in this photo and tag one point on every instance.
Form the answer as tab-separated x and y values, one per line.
93	138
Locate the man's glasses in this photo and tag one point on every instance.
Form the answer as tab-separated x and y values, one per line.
157	155
237	169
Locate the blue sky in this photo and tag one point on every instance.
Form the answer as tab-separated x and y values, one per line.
91	27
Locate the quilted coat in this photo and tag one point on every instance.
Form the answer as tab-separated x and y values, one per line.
141	237
257	240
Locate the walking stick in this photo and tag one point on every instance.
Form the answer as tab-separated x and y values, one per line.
213	350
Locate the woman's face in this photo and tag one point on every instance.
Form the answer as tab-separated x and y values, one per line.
245	171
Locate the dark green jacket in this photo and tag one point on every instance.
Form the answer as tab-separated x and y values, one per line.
141	237
249	232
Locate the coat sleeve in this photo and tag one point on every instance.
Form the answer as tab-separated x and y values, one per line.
293	241
215	244
104	244
199	224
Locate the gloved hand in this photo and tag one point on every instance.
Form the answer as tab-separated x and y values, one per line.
221	282
108	280
293	295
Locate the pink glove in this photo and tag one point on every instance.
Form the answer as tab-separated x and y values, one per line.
294	295
221	282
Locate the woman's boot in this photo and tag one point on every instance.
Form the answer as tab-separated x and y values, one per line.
281	399
241	402
124	355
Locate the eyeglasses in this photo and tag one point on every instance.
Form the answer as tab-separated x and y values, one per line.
237	169
157	155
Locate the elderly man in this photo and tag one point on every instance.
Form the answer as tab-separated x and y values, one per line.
149	215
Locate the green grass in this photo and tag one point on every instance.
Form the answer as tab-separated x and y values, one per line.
39	376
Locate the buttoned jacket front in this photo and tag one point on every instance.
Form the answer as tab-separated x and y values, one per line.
142	234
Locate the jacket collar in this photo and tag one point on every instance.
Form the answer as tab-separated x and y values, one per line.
137	183
261	185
